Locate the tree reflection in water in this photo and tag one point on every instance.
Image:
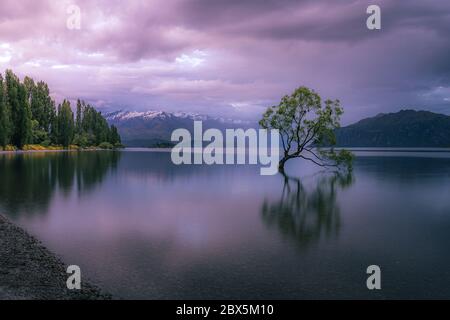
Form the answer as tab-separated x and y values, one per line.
29	181
306	214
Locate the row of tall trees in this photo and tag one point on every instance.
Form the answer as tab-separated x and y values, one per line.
28	115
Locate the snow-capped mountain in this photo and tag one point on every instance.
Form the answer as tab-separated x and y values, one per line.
152	114
150	128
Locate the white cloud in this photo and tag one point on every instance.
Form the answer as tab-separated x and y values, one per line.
195	59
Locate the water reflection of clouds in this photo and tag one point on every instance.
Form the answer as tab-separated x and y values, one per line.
146	228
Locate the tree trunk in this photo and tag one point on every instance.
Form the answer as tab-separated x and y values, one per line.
281	165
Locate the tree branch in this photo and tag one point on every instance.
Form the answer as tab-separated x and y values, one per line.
312	160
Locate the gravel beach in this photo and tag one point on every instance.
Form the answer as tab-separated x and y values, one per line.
29	271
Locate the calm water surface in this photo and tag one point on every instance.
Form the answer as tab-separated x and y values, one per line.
141	227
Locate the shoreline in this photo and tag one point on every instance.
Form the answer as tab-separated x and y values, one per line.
57	150
29	271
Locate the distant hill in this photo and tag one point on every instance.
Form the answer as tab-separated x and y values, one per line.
154	128
406	128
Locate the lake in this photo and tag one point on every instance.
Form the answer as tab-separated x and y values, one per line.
141	227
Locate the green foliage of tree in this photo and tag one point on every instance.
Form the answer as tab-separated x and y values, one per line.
95	125
28	115
39	136
306	123
105	145
54	129
28	83
19	106
66	125
4	116
114	138
81	140
80	110
42	106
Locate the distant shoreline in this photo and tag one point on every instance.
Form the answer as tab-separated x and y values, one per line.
165	149
56	150
368	149
30	271
38	151
394	149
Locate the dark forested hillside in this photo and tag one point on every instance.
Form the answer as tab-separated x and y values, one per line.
406	128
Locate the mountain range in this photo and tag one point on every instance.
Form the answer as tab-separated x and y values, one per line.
406	128
154	128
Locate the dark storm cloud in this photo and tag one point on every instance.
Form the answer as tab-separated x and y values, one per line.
234	56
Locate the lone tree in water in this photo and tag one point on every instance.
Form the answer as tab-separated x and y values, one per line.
306	124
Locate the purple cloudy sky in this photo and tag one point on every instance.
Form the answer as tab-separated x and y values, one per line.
233	57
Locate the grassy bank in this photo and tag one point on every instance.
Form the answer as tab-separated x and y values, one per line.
38	147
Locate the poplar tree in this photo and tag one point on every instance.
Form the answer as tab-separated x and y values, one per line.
19	107
4	116
78	128
66	124
42	106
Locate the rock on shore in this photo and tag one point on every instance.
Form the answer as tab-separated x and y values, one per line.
29	271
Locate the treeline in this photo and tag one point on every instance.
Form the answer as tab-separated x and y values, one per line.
28	115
